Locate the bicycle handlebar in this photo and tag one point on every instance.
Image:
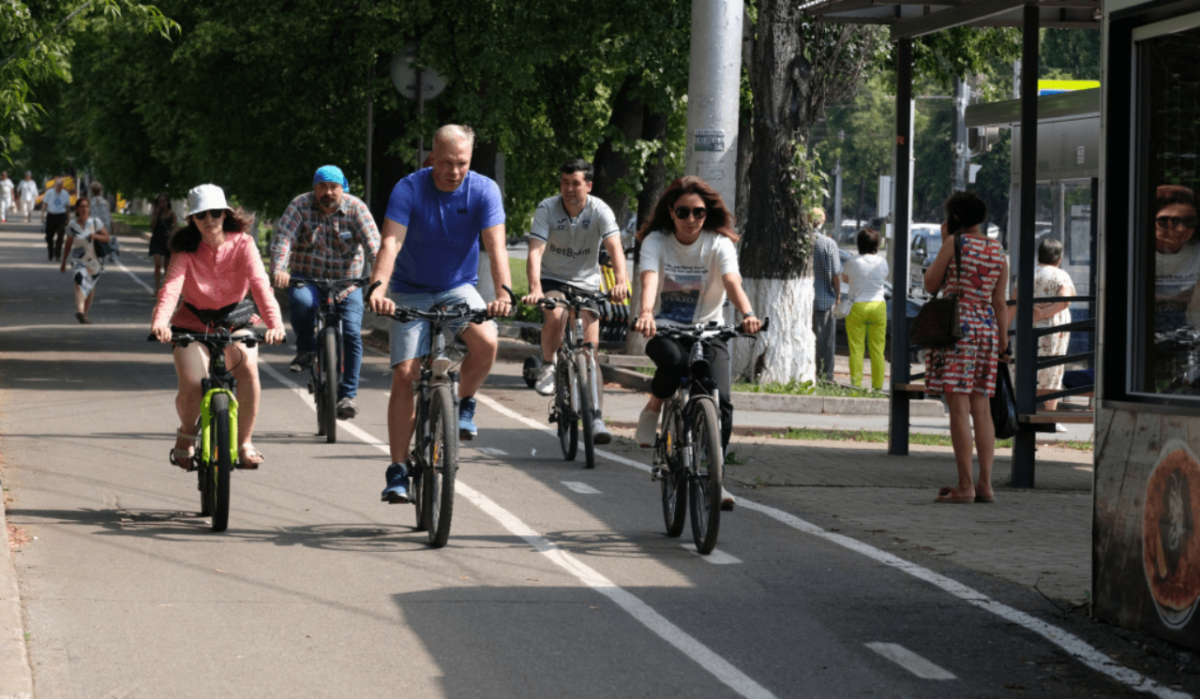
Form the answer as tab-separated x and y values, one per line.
708	331
348	281
221	338
575	300
456	312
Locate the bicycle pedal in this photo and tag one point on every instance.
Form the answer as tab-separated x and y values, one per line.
657	474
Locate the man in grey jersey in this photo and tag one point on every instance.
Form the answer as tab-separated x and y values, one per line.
564	251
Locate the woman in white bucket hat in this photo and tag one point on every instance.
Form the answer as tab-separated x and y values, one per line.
214	263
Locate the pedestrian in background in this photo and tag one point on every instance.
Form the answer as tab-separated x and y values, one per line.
827	270
55	203
27	192
1050	280
867	274
162	220
85	231
7	198
100	208
965	372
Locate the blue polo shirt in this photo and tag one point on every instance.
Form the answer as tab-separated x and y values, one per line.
441	248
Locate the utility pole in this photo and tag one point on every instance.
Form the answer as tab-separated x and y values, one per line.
962	155
714	94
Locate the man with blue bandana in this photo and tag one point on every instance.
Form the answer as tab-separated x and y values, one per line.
323	235
436	219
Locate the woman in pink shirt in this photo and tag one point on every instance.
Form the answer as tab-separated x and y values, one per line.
214	263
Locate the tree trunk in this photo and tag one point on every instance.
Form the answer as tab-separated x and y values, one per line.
745	132
611	163
775	257
654	183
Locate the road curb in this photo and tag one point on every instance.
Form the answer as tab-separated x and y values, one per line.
16	676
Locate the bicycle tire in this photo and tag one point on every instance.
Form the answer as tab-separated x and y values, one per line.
220	465
328	360
673	485
416	464
584	389
314	389
568	426
205	484
442	468
705	481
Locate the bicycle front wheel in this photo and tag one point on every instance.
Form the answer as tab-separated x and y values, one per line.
438	479
583	388
568	425
220	465
328	361
674	476
705	480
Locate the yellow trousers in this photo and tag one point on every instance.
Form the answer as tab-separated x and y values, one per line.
867	322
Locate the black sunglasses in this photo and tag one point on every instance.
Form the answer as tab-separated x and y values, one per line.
215	213
1177	221
682	212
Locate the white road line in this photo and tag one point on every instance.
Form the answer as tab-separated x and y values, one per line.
582	488
719	558
720	668
490	451
136	278
1072	644
910	661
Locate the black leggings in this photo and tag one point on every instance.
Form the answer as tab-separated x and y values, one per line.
671	358
56	229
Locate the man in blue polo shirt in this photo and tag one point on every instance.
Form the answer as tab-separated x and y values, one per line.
435	220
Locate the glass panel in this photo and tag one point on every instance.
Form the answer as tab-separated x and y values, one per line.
1171	92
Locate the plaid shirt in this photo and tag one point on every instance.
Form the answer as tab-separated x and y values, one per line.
324	247
826	263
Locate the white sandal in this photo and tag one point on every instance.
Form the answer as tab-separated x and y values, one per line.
189	454
247	455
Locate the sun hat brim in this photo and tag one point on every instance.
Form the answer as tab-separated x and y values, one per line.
206	197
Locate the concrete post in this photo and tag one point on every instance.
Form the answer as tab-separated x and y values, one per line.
713	95
962	156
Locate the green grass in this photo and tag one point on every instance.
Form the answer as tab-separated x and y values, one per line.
139	222
881	437
806	388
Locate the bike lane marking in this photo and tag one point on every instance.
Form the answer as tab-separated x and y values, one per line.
910	661
1072	644
581	488
715	557
720	668
136	278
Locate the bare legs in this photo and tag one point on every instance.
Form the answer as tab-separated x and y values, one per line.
159	266
191	366
83	304
965	410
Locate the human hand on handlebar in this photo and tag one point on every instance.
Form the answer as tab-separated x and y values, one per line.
275	336
751	325
378	301
532	298
619	292
500	307
645	324
282	279
162	333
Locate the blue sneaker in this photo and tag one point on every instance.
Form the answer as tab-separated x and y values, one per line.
396	491
466	419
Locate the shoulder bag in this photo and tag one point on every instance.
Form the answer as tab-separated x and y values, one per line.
936	324
1004	404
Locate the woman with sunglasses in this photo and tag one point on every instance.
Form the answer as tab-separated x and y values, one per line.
1177	259
214	264
688	268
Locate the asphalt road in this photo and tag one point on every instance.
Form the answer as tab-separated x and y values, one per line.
556	581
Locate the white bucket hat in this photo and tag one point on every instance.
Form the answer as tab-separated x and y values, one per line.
206	197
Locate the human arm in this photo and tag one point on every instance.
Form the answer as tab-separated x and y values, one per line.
999	306
616	253
260	288
494	243
282	243
390	242
66	253
1046	311
533	270
936	273
737	295
168	296
645	317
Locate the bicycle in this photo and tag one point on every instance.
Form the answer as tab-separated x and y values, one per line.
326	370
215	440
688	459
576	386
434	458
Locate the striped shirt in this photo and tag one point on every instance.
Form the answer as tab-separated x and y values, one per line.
827	263
314	245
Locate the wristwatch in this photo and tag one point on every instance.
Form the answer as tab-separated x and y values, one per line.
749	314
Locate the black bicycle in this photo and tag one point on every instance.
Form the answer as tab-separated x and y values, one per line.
434	457
577	387
215	440
326	370
688	459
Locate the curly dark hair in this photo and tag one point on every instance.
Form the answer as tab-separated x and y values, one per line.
965	209
718	219
187	239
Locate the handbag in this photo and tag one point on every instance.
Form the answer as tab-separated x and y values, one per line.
841	309
937	324
1004	404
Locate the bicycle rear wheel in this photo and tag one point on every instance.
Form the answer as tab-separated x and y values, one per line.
328	361
568	425
705	481
439	475
220	465
674	478
583	387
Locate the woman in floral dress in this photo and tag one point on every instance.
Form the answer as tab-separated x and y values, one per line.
965	373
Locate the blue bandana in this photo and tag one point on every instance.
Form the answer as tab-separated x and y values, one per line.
331	173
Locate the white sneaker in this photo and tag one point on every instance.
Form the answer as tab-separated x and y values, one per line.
647	429
727	501
545	379
600	433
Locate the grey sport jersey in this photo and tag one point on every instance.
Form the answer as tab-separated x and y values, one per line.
572	253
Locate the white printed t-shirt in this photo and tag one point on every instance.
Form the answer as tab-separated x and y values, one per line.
690	289
1177	282
572	253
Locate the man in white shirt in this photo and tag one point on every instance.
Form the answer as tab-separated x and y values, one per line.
564	251
27	193
56	204
6	197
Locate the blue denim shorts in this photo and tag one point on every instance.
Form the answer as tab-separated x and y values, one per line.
411	340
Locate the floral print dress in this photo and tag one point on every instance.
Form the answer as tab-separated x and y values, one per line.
969	366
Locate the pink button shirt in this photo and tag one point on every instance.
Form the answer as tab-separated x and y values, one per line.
212	278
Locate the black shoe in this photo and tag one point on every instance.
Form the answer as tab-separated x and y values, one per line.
302	362
347	409
396	492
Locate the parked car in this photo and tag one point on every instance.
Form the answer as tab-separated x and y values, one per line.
924	243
